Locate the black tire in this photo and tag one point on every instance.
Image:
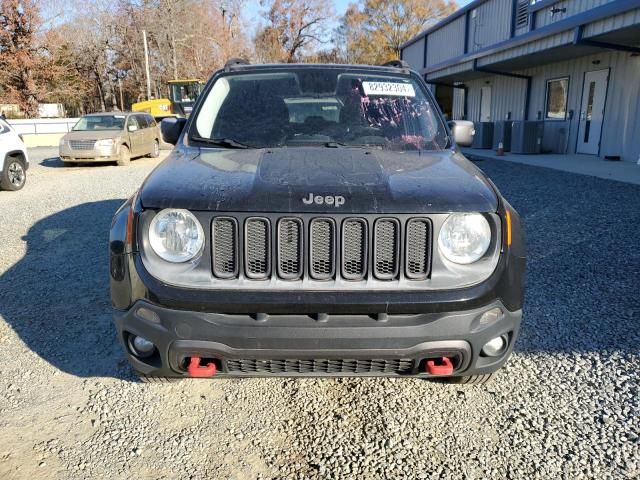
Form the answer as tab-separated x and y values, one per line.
156	149
14	174
69	164
151	379
470	379
125	156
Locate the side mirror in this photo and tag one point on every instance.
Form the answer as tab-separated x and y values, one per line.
132	128
171	129
463	132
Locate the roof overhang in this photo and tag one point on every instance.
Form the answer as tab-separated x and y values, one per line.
569	42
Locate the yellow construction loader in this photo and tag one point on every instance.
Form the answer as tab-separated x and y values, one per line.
182	96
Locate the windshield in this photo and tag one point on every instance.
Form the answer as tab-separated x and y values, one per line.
329	106
185	92
100	122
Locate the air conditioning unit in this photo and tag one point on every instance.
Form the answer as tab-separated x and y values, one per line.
484	135
526	137
502	134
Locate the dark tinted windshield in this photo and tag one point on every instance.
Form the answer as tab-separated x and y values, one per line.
100	122
320	106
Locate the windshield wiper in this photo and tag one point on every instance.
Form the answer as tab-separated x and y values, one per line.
220	142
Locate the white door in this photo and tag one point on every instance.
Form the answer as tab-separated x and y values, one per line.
485	104
594	96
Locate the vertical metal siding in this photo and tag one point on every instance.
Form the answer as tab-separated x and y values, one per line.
621	126
507	96
629	18
544	16
458	104
446	43
492	24
414	54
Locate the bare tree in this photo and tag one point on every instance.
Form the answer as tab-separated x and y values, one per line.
373	32
20	53
88	58
293	27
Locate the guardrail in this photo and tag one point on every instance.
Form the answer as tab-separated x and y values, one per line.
39	126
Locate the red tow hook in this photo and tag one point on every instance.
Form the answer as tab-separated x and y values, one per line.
196	370
444	366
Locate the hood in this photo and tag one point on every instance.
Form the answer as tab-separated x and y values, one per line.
318	179
93	134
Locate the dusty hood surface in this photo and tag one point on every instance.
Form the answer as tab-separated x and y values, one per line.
286	179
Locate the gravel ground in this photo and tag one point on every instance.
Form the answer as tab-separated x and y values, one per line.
567	405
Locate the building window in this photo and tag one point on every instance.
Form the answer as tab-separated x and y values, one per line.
557	94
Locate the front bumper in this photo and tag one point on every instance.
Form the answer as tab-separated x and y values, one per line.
308	345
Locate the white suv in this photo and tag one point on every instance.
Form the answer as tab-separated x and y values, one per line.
14	161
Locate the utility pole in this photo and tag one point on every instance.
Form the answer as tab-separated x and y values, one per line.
121	98
146	63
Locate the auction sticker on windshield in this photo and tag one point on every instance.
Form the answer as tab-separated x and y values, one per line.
389	88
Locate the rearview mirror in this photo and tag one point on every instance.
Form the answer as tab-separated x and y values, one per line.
171	129
463	132
132	128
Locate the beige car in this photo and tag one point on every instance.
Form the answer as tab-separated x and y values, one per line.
107	137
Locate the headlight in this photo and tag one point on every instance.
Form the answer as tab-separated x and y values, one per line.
61	143
464	237
106	143
176	235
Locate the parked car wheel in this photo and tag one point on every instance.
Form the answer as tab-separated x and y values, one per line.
156	149
125	156
15	175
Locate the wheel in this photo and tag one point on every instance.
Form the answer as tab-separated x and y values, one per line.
156	149
151	379
14	175
470	379
69	164
125	156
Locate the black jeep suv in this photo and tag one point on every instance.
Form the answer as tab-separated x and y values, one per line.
316	220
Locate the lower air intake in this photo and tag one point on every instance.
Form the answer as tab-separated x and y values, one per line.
321	366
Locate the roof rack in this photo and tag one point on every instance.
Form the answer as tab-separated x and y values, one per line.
233	62
396	64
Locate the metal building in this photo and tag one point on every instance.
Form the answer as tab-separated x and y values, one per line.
567	68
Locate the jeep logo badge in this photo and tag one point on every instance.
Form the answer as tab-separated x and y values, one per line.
335	200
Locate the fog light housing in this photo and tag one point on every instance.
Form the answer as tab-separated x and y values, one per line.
496	346
140	346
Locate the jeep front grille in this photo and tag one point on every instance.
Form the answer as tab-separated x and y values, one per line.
385	246
354	249
257	248
313	366
225	247
321	248
290	248
322	245
418	244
